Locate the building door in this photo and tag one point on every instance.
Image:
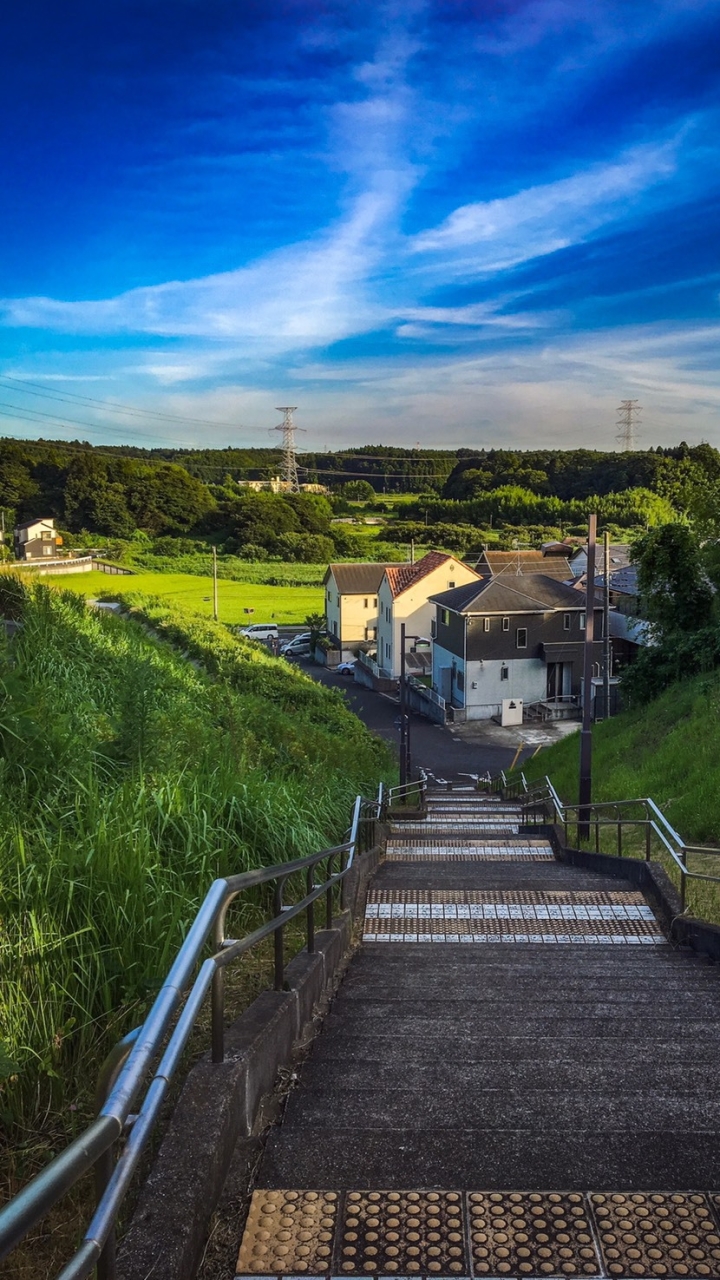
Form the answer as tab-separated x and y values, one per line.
559	679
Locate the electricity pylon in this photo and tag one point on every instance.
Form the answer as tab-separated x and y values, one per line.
627	424
288	428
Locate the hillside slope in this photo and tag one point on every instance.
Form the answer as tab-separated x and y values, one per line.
669	750
129	778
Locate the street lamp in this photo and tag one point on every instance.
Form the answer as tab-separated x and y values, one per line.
404	717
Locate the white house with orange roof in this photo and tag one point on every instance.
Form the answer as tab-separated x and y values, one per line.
404	596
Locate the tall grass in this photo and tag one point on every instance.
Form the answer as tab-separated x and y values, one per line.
129	778
668	750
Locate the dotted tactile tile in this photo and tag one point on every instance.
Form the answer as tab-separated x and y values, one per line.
657	1235
403	1233
550	897
531	1234
289	1233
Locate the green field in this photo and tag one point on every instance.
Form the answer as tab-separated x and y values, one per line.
269	604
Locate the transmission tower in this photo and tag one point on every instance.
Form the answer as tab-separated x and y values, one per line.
288	428
627	423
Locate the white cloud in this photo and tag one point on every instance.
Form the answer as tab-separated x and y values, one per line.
542	219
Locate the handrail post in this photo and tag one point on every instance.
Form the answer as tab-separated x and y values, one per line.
329	894
310	913
217	996
109	1072
597	831
648	838
619	836
683	880
278	936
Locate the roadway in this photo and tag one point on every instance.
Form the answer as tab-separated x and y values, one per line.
433	747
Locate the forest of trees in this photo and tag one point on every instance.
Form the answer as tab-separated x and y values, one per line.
116	493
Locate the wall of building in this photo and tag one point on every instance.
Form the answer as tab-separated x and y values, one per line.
413	607
526	679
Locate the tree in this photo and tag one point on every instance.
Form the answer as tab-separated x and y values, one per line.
675	594
358	491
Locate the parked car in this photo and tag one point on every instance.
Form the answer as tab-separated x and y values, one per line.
345	668
260	631
300	645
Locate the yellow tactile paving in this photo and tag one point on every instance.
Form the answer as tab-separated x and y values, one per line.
403	1233
531	1234
657	1235
289	1233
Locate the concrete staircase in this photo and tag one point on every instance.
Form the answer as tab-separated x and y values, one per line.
521	1080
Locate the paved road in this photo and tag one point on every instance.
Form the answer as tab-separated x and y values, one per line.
433	746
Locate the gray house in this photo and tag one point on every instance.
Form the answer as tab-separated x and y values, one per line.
36	539
514	639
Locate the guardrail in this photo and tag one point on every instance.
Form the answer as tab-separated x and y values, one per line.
640	815
402	793
129	1066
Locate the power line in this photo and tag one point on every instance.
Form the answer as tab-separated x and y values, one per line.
40	390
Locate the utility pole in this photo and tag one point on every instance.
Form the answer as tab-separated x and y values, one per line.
215	593
607	657
585	790
628	420
288	428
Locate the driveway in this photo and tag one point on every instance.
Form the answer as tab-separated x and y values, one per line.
440	749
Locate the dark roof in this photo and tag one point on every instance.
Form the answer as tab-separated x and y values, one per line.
357	579
536	593
520	563
27	524
624	580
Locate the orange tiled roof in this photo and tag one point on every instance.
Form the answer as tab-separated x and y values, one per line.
402	576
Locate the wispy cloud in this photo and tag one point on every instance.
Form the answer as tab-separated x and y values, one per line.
542	219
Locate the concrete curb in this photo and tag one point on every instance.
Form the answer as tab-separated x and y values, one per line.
221	1104
653	881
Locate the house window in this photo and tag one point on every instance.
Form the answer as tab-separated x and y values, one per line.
566	622
375	603
460	681
387	648
506	624
445	617
521	638
450	586
365	603
433	628
47	550
486	624
582	621
504	672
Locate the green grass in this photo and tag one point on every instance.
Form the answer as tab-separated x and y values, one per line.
188	591
130	777
668	750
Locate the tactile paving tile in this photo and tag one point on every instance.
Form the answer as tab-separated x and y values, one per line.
657	1235
468	853
473	917
289	1232
403	1233
531	1234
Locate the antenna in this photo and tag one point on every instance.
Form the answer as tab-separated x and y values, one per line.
288	428
627	423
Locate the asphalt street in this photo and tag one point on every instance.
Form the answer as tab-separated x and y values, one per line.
433	747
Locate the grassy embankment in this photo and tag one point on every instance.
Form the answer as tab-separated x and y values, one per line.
129	779
668	750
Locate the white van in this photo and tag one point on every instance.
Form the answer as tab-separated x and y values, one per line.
260	631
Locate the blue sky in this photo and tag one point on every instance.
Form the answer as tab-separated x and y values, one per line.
459	222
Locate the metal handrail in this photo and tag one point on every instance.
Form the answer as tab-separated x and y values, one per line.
127	1066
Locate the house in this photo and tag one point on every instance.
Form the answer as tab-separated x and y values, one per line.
351	605
276	485
500	638
619	558
404	597
521	563
36	539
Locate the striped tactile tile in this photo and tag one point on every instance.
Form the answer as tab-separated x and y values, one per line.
435	851
640	1235
475	917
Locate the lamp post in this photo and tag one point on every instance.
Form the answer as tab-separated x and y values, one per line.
585	790
405	761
